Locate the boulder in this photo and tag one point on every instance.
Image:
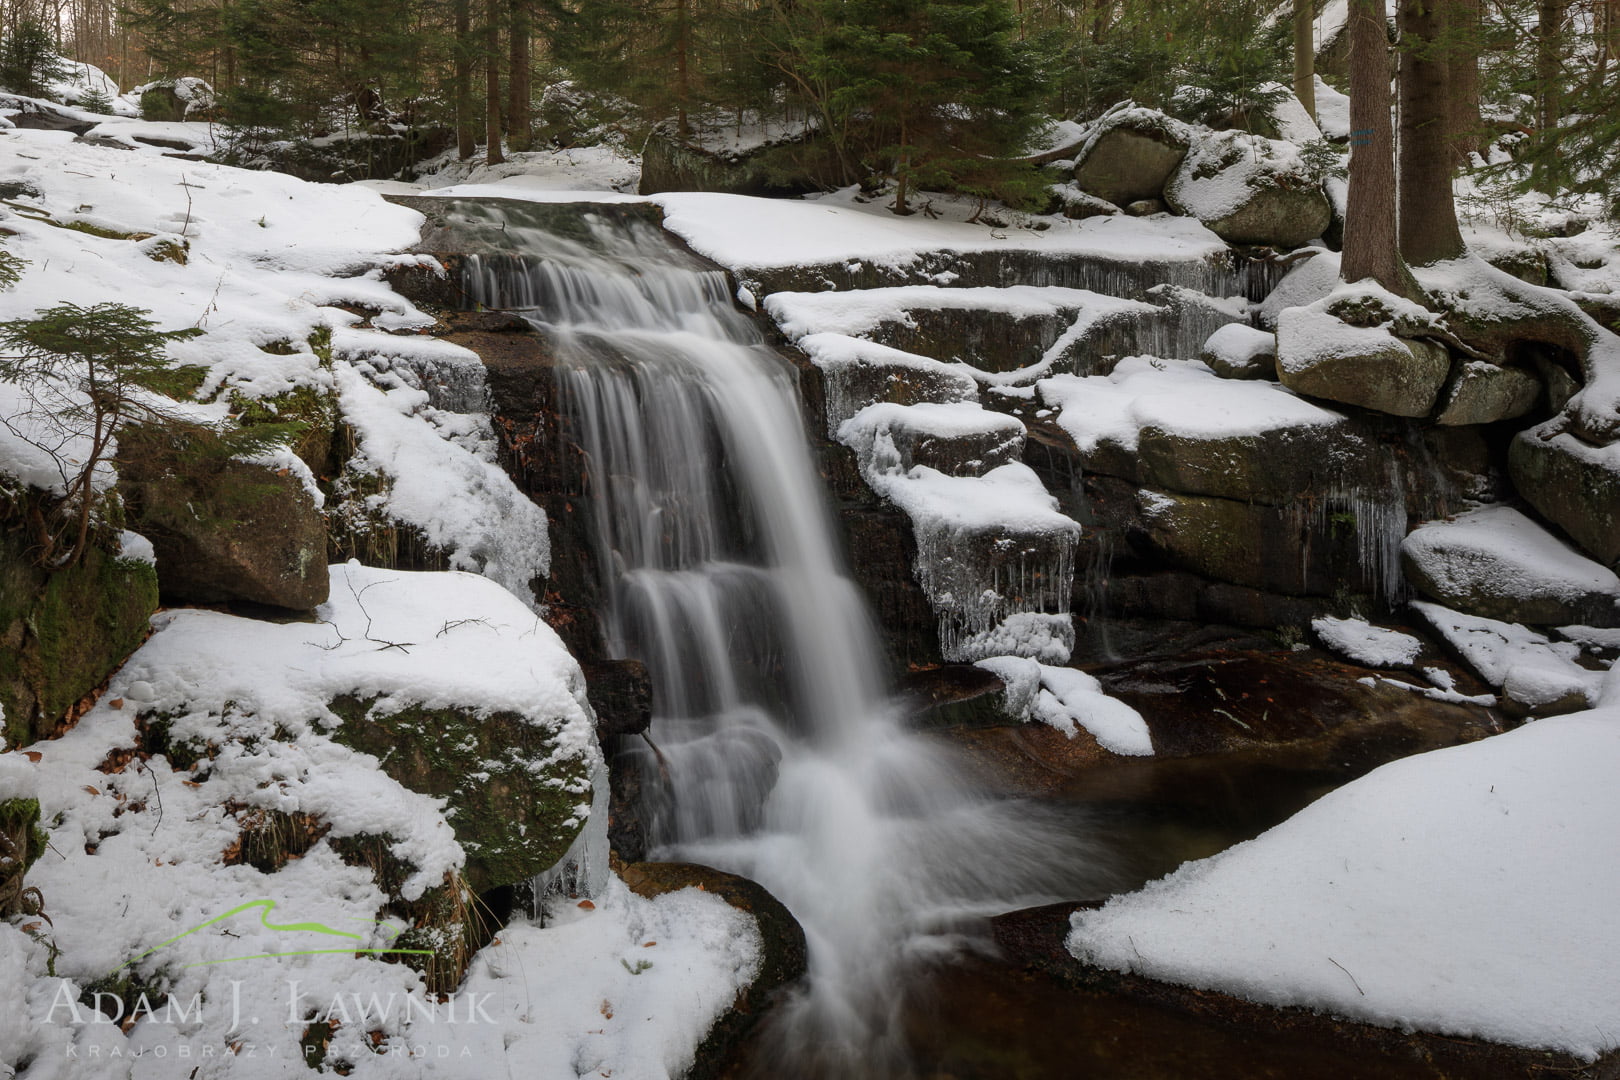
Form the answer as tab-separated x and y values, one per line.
514	807
1498	564
1320	355
234	532
1239	351
1483	393
784	962
669	163
1250	190
1133	157
1572	484
1273	549
1077	205
62	633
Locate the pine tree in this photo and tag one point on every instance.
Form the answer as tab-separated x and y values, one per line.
85	372
29	62
925	92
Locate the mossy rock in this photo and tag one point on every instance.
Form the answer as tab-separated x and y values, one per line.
22	842
514	810
63	633
224	530
443	927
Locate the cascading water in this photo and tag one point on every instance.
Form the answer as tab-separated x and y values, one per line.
785	760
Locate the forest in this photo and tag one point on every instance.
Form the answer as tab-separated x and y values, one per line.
941	94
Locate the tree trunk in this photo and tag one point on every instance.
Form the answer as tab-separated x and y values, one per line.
1428	211
1549	69
520	86
1305	56
461	89
1463	73
492	82
683	85
1370	249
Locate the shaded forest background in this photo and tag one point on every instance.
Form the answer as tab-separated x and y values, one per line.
922	93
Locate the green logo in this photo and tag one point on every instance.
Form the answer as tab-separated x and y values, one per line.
265	908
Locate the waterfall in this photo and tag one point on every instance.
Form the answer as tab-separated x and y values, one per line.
785	759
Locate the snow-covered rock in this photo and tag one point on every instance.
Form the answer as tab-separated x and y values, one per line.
1239	351
1496	563
1250	190
1374	646
1362	362
1572	484
1131	155
1468	891
1484	393
1530	669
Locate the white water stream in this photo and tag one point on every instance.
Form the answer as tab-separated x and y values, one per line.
785	759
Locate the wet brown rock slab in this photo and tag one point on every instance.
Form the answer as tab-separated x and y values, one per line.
1084	1021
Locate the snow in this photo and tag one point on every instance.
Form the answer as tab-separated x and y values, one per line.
628	985
1495	551
268	259
743	232
1068	700
1374	646
1240	347
884	436
1528	667
1468	891
1071	698
1223	170
1180	396
1332	109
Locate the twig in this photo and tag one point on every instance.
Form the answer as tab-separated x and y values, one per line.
1346	970
141	765
457	624
1235	720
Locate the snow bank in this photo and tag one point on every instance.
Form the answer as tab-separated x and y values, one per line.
744	232
1469	891
1180	396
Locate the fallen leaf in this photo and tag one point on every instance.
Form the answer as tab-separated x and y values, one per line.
607	1009
587	905
116	703
91	790
648	944
33	755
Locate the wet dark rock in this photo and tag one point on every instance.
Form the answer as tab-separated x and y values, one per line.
784	961
669	163
234	532
956	696
1571	483
1221	701
620	692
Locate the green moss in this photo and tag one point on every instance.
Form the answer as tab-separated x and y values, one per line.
61	634
512	809
175	251
312	408
19	822
445	920
102	231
